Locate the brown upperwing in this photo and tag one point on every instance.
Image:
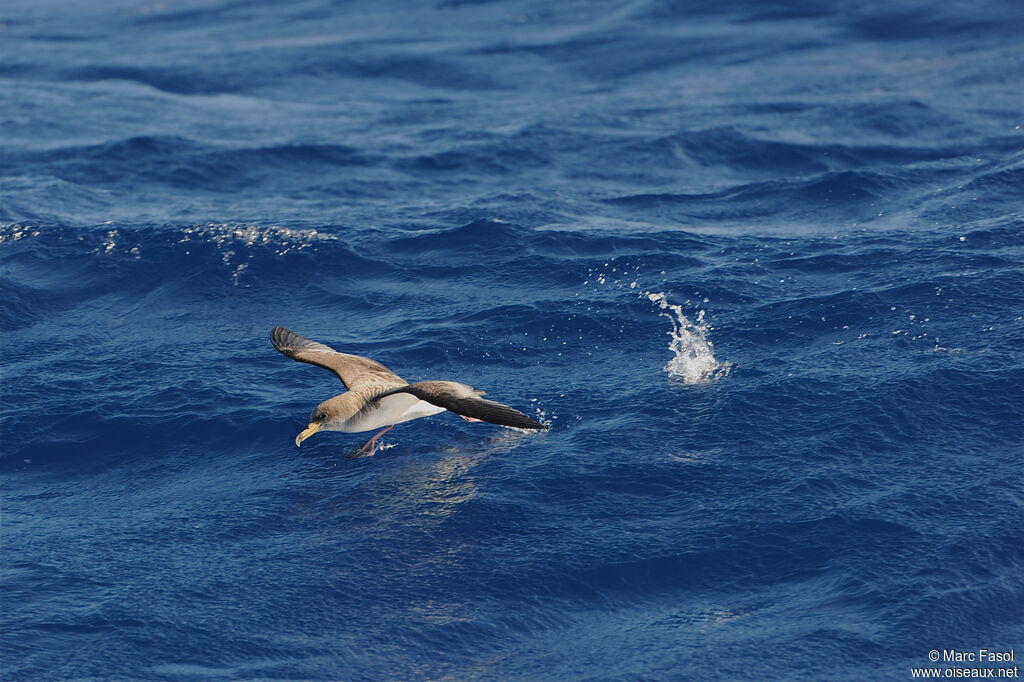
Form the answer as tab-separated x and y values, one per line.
353	370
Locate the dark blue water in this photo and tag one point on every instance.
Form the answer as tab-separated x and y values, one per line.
760	265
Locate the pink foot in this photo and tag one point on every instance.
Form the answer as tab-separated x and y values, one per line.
367	448
470	419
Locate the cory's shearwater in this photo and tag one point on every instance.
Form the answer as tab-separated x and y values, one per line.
377	397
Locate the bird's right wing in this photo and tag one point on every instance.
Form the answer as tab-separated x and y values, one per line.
353	370
464	400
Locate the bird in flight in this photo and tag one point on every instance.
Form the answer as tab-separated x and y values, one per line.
377	397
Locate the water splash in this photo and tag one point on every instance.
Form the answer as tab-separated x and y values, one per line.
13	232
236	242
693	355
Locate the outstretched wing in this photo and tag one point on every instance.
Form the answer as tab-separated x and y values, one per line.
353	370
464	400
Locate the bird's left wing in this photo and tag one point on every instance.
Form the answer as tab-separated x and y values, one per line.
464	400
353	370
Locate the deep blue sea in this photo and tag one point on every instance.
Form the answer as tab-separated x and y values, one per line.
759	264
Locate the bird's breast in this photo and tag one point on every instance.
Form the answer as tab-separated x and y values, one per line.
393	409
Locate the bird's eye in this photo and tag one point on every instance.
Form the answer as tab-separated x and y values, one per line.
321	416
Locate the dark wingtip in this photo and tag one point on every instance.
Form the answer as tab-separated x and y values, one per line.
282	337
536	425
503	415
290	343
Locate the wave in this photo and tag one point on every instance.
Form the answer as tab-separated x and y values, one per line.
182	162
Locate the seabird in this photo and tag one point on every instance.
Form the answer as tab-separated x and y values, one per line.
378	397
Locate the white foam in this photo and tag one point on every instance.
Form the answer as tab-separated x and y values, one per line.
13	232
235	242
693	355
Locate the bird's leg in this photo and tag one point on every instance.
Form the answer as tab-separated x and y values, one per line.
368	447
470	419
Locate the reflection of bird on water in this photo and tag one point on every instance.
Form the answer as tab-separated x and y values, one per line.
377	397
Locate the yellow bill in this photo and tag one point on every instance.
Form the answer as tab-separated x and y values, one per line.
310	430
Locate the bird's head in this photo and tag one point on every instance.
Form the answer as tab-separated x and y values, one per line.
319	420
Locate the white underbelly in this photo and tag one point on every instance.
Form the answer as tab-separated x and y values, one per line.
394	409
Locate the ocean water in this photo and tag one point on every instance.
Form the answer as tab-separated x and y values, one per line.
759	264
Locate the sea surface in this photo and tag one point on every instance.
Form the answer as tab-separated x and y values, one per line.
760	265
